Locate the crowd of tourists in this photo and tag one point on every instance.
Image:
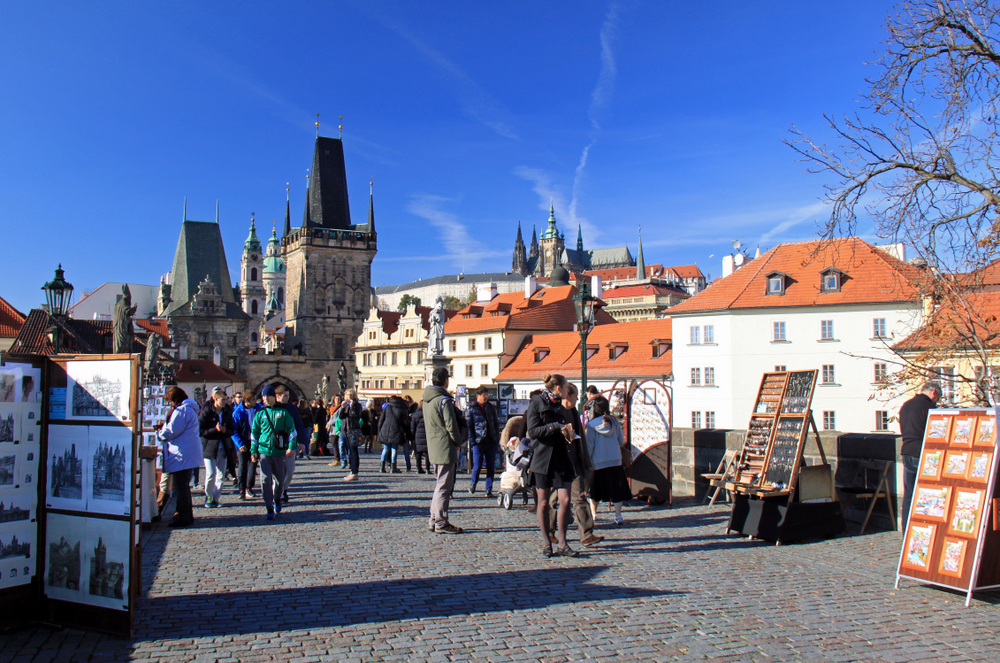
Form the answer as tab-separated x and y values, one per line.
576	457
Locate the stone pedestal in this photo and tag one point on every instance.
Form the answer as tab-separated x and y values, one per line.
432	362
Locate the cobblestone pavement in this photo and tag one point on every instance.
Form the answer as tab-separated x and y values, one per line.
349	572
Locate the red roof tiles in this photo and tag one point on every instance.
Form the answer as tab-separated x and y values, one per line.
203	370
548	309
954	326
643	291
11	320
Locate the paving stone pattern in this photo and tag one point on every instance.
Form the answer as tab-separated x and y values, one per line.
349	572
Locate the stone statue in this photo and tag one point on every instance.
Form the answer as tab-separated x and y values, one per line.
323	389
342	378
435	335
123	322
152	362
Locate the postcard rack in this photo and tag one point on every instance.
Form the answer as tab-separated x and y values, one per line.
952	536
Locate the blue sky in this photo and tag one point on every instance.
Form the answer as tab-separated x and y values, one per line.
468	116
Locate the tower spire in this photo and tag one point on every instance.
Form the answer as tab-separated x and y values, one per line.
317	125
216	210
185	209
579	239
640	262
288	214
371	206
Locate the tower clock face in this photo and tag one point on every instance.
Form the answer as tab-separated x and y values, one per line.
253	256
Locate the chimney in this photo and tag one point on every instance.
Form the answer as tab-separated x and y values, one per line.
596	287
486	292
530	286
728	265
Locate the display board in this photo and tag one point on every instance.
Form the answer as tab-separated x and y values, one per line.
951	539
648	429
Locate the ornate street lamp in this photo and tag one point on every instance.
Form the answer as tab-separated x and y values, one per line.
357	379
58	293
584	305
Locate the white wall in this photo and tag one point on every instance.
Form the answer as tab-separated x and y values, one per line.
100	304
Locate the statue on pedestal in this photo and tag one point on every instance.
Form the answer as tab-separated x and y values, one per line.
435	335
342	378
123	323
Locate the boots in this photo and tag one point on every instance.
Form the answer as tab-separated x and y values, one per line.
395	470
383	467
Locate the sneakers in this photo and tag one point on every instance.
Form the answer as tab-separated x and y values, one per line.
251	493
216	504
277	506
270	515
351	477
208	503
448	529
244	497
618	520
489	494
591	540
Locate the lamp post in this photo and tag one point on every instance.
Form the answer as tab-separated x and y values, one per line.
357	379
584	304
58	293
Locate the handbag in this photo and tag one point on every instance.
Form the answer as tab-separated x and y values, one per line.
355	438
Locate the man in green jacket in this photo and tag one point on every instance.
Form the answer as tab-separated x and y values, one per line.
272	439
443	440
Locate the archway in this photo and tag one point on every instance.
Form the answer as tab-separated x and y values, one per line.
296	391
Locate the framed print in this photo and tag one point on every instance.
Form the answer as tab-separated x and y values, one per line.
99	390
67	481
108	465
931	464
17	556
10	425
918	546
106	563
986	432
8	469
63	559
931	503
505	391
953	557
966	512
938	428
956	464
17	508
979	466
961	433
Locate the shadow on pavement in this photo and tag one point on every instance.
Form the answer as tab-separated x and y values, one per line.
380	601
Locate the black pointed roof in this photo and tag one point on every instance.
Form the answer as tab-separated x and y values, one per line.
326	200
288	218
200	253
371	211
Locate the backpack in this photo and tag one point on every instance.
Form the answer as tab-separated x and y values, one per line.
463	425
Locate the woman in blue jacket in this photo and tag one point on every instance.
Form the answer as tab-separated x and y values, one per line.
182	450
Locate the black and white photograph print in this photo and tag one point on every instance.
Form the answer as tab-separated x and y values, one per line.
15	508
98	390
8	469
109	468
66	477
17	556
106	563
28	388
10	425
16	543
64	538
8	386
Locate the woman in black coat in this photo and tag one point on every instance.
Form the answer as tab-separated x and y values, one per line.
551	429
419	436
216	427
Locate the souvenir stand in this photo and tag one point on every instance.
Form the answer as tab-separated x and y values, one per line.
644	410
79	462
952	536
776	496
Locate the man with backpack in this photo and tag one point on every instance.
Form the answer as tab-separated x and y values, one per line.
444	438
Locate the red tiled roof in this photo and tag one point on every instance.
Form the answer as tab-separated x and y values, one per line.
548	309
871	276
564	353
158	326
686	271
77	336
203	370
644	290
621	273
10	320
952	327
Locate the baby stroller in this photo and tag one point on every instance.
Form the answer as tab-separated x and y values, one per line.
514	480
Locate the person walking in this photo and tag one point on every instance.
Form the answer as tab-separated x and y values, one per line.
444	438
369	426
350	428
320	436
272	440
551	427
605	442
216	428
484	438
301	432
305	414
393	431
419	436
912	424
583	468
243	415
181	449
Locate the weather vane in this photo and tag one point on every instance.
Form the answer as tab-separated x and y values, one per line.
341	127
317	125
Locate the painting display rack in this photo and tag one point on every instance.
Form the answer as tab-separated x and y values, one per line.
952	536
770	498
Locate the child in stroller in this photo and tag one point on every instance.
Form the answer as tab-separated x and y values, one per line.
514	480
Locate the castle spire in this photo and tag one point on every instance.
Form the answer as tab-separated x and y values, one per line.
288	214
217	210
185	209
640	262
579	238
371	206
533	249
520	262
252	245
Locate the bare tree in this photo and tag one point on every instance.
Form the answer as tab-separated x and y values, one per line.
918	162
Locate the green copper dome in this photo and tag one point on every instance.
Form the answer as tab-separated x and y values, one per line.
252	245
273	263
551	232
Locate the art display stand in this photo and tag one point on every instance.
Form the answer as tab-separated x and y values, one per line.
776	497
76	470
644	410
952	536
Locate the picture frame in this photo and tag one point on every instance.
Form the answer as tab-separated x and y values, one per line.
938	428
956	464
931	465
649	396
918	546
966	512
505	391
962	431
931	503
986	432
953	554
980	465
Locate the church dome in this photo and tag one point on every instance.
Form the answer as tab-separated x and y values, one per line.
273	263
559	276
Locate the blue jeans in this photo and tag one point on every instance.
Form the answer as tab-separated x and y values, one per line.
484	453
910	465
404	449
389	451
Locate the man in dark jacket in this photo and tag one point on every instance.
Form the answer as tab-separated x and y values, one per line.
419	436
912	424
484	436
215	425
393	432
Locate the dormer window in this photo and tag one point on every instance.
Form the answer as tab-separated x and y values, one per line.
831	279
592	350
615	350
660	347
776	283
540	354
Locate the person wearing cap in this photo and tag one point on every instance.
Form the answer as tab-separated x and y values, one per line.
272	439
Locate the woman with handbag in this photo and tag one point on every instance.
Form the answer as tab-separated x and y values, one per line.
605	442
350	426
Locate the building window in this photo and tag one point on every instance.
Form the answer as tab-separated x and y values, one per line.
826	330
881	372
371	335
778	332
695	334
231	362
488	343
202	339
453	346
881	420
420	356
451	370
695	418
695	377
253	273
829	376
710	419
775	283
878	328
468	370
484	370
946	376
338	347
392	384
472	345
709	379
709	335
394	359
830	281
253	307
232	340
780	368
829	420
409	357
253	338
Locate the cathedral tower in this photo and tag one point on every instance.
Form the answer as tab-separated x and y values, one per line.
520	263
550	247
251	280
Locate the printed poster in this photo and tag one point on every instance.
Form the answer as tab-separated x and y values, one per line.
99	390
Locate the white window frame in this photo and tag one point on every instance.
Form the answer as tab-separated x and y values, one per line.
829	420
826	330
696	419
775	336
695	335
709	378
696	377
710	419
879	328
708	334
831	374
